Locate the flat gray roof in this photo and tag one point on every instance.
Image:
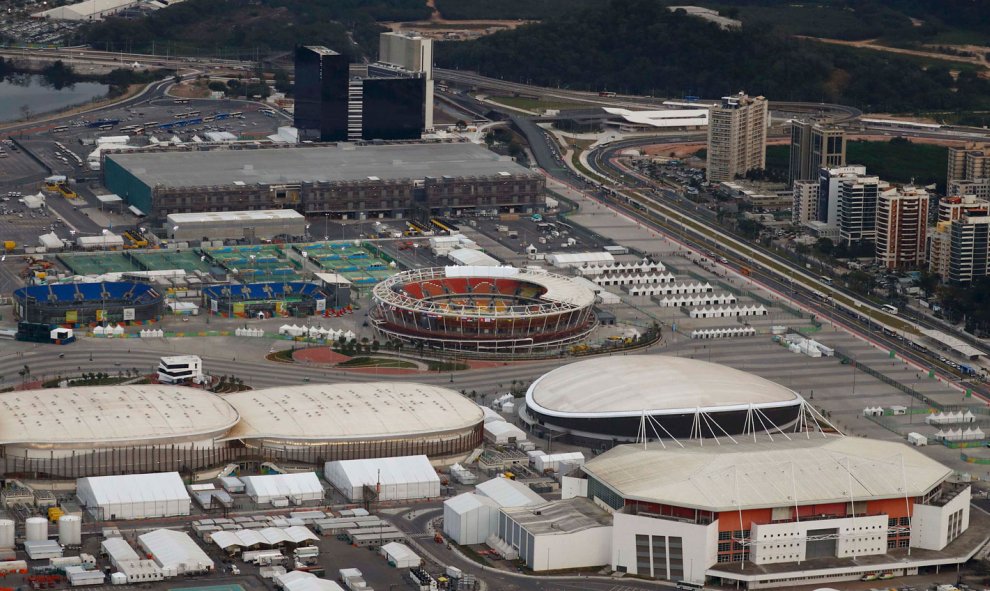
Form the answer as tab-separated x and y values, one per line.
314	164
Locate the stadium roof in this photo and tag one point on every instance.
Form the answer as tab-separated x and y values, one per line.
560	517
315	164
662	117
118	415
753	475
319	412
235	216
629	385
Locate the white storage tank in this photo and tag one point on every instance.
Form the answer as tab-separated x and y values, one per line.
70	530
36	529
6	533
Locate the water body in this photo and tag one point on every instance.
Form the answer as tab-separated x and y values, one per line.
32	91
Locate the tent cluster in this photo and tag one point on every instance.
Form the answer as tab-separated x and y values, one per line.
970	434
644	279
108	331
723	333
152	333
669	288
728	312
315	332
873	411
643	266
695	300
948	418
249	332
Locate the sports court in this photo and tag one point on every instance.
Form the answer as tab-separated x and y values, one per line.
98	263
161	260
354	262
257	263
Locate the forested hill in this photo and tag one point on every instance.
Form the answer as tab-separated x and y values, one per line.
639	47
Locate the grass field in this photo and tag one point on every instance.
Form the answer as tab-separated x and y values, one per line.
896	161
377	362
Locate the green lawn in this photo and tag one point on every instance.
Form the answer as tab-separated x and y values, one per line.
896	161
377	362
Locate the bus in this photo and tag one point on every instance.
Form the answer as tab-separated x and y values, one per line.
606	94
237	114
889	309
138	131
689	586
106	127
826	279
180	101
151	124
60	129
193	113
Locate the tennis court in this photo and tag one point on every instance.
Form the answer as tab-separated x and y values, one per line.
266	262
354	262
98	263
161	260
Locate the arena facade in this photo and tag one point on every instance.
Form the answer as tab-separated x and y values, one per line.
104	430
483	310
342	180
273	298
80	304
612	399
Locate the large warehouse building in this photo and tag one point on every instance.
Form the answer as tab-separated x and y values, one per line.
484	310
756	514
605	399
347	180
102	430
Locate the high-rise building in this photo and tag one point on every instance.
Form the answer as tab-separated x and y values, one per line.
805	207
969	162
857	208
951	209
969	249
320	91
737	137
901	227
814	145
979	188
954	208
413	54
828	194
383	101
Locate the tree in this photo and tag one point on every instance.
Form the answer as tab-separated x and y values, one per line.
282	83
217	86
825	247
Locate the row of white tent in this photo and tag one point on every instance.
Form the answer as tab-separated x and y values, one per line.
108	331
970	434
643	266
249	332
946	418
315	332
728	312
723	333
669	288
644	279
695	300
152	333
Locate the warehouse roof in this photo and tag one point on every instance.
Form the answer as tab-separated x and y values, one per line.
629	385
132	489
752	475
386	471
298	580
473	258
295	164
560	517
118	415
236	216
175	550
351	411
508	493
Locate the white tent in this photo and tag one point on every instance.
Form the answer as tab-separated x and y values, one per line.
509	493
396	479
175	552
298	487
491	415
135	496
502	433
469	518
400	556
299	580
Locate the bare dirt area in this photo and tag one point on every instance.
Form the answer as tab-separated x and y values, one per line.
194	89
979	59
440	28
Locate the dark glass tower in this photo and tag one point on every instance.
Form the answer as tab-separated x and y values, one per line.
393	108
321	94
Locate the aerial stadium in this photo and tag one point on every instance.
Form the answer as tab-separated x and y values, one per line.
97	430
483	310
77	304
275	298
610	399
103	430
325	422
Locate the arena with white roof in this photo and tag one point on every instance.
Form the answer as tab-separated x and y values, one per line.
484	310
121	429
617	398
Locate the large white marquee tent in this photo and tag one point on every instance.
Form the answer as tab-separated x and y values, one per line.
135	496
396	479
298	487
